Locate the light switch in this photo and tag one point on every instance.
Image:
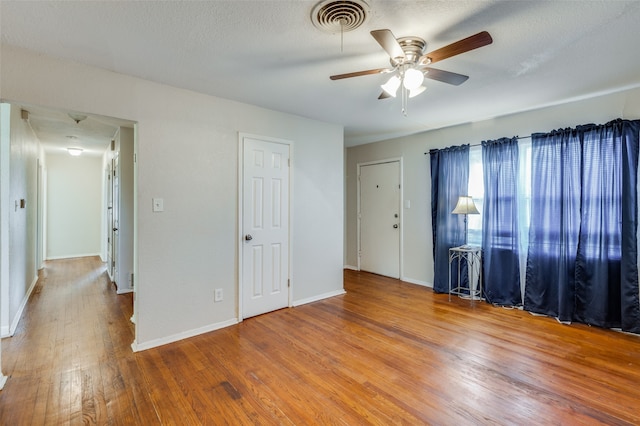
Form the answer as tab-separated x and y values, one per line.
407	204
158	205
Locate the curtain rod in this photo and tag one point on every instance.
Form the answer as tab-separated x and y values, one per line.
475	144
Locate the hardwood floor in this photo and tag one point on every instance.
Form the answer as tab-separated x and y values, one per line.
387	352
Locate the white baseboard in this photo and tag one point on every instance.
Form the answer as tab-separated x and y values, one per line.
418	282
124	290
180	336
10	331
73	256
405	279
3	380
137	347
318	297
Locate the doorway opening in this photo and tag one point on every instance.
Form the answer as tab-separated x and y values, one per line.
62	200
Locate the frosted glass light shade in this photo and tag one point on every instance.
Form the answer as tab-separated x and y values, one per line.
74	151
465	206
416	92
412	79
391	86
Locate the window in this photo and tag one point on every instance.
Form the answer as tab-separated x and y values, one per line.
476	190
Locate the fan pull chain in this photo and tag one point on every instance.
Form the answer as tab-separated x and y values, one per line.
405	96
342	24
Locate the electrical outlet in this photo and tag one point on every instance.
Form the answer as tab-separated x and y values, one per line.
218	295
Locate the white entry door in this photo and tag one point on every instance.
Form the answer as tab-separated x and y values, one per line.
380	218
265	227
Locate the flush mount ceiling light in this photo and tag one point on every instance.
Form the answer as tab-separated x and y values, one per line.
74	151
77	117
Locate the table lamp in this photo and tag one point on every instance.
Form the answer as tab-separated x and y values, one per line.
465	206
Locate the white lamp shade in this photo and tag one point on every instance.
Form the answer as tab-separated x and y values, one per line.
465	206
412	79
391	86
416	92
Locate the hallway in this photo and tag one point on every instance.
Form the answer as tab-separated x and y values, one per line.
68	356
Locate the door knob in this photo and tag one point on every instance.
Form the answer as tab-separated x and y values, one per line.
248	237
395	226
115	229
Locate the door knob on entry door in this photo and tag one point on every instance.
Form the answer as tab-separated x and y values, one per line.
248	237
395	226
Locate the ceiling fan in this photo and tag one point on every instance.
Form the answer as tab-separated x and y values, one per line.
410	65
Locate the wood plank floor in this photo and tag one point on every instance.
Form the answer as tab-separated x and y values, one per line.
385	353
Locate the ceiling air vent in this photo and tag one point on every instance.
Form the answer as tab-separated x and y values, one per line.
339	16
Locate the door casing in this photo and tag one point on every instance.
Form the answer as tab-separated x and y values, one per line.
115	218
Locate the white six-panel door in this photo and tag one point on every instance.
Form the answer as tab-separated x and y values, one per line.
380	218
265	226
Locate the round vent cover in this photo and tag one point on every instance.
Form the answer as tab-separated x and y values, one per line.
334	16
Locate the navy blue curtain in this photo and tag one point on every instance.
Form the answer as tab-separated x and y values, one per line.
449	180
582	259
554	223
606	262
500	241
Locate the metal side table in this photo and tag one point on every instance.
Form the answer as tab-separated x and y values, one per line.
473	257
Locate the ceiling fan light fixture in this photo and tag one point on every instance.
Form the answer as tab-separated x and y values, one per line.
417	91
412	79
392	85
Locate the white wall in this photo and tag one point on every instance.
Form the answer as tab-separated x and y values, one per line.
20	225
5	155
74	201
188	155
418	244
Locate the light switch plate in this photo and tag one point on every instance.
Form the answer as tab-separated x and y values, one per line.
158	205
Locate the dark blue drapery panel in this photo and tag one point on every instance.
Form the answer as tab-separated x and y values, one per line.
500	241
554	224
607	287
449	180
582	262
630	300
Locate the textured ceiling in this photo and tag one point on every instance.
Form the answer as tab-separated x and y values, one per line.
268	53
57	130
